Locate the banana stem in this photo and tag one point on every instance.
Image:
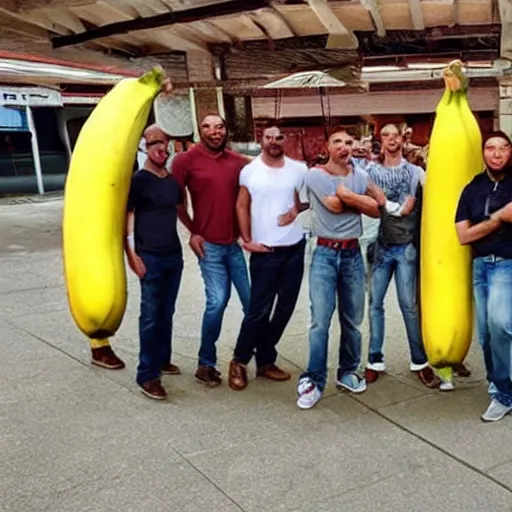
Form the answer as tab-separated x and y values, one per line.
445	373
99	342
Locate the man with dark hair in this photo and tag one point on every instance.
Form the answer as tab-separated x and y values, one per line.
395	254
267	208
210	172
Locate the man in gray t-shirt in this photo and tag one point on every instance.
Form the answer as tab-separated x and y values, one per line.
338	193
326	223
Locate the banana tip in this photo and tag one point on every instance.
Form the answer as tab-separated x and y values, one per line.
155	75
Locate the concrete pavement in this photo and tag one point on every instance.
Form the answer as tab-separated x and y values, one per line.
78	438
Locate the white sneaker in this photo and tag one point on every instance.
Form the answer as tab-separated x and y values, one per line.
417	367
496	411
376	367
446	385
309	393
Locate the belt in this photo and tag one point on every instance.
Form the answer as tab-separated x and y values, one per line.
278	248
492	258
337	245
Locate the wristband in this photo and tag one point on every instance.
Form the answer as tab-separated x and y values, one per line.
131	241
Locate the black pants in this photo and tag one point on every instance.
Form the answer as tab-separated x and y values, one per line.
274	275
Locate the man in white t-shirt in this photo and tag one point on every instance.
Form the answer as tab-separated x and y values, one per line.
271	188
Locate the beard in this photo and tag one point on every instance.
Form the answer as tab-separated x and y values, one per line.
221	146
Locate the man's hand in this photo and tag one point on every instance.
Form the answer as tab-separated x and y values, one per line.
287	218
254	247
196	243
407	206
333	204
166	87
505	213
136	264
343	192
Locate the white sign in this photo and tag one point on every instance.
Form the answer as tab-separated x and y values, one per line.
30	96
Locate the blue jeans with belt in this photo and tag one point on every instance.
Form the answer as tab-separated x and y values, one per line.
492	288
159	291
336	276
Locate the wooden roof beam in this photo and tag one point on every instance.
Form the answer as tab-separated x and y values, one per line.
162	20
416	15
28	5
339	35
505	7
373	7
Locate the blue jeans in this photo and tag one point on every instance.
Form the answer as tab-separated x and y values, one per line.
221	266
159	291
335	274
276	277
492	288
400	260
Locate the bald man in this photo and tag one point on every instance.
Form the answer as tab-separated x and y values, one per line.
155	255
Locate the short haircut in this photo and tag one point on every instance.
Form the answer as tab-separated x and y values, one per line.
335	131
496	133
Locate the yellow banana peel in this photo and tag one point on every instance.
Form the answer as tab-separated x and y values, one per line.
95	197
454	158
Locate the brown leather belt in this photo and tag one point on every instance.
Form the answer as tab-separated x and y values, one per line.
338	245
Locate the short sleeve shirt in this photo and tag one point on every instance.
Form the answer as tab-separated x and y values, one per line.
212	180
324	223
154	201
480	199
397	183
272	192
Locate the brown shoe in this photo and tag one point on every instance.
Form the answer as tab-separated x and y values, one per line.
170	369
428	378
105	357
371	376
461	370
273	372
208	375
237	376
154	389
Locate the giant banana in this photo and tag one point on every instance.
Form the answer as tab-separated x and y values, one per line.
95	198
454	158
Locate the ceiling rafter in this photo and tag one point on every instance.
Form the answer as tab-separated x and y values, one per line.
161	20
373	7
339	35
418	22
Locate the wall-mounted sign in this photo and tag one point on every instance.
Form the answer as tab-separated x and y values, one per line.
30	96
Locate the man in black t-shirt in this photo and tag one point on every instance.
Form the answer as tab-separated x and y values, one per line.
155	255
484	221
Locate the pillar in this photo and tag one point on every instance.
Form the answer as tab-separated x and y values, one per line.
35	151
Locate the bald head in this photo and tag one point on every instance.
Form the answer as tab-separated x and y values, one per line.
154	133
157	145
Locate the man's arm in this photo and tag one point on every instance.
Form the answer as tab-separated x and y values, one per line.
321	186
418	179
183	213
376	193
179	171
243	213
362	203
468	234
134	260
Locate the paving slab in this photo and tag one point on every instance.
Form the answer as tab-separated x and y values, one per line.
75	437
